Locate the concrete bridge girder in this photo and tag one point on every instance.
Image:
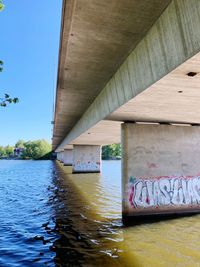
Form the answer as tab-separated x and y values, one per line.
96	37
173	39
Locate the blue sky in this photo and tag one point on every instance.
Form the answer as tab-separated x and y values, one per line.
29	42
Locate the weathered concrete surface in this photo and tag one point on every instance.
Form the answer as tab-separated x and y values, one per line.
174	98
96	37
160	169
68	157
60	156
86	159
104	132
174	38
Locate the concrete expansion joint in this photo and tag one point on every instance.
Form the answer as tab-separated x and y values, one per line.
163	123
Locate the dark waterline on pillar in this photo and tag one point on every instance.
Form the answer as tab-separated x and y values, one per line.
84	172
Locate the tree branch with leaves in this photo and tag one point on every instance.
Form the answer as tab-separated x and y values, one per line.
1	5
4	101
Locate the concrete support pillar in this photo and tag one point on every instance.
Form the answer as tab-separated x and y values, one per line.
58	156
86	159
62	156
68	157
160	169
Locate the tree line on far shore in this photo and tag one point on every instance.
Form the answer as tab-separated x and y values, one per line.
38	149
41	149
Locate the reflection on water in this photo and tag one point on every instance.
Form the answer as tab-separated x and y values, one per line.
49	217
84	236
23	209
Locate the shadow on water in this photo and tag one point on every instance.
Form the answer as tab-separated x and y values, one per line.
84	239
151	219
50	217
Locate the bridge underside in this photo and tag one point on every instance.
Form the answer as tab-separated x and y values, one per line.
174	99
129	72
96	37
157	82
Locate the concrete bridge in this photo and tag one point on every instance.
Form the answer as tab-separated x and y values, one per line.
129	72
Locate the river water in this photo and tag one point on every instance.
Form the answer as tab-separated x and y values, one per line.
50	218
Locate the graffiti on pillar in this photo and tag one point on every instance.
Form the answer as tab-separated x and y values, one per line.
87	166
164	191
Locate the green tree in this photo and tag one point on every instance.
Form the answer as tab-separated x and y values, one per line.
8	150
116	150
36	149
2	152
20	144
110	151
106	152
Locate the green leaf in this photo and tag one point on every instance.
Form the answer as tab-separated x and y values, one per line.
15	100
1	6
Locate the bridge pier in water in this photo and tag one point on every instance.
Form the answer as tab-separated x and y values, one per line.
60	156
160	163
68	157
86	159
160	169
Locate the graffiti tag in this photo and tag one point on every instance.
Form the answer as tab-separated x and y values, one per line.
166	191
87	166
